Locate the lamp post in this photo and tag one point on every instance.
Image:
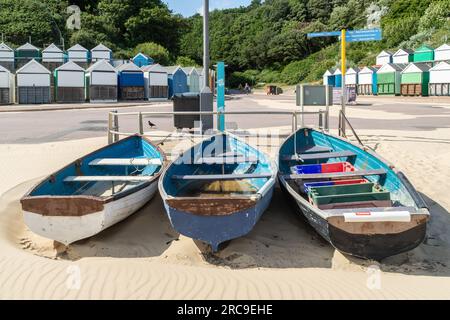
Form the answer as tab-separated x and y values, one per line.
206	96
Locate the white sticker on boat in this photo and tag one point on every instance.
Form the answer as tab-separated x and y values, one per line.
377	216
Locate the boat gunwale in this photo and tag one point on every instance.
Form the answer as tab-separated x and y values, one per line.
103	200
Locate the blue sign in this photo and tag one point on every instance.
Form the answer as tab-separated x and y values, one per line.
364	35
221	94
324	34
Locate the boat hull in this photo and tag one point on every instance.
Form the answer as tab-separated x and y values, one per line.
70	228
216	229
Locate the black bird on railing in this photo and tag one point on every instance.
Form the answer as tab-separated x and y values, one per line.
151	124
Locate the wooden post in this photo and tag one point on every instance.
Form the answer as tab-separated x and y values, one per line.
116	125
141	124
110	127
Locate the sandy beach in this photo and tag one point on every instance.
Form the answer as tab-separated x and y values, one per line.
282	258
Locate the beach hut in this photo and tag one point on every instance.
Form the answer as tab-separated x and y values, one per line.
101	52
6	86
424	54
351	78
131	82
101	82
415	79
403	56
440	79
156	82
52	57
367	81
79	55
6	56
177	80
26	53
384	57
142	60
442	53
337	74
389	79
328	78
69	83
33	83
193	79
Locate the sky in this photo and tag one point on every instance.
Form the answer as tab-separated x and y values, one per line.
190	7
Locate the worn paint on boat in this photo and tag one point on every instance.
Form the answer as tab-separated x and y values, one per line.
365	232
94	192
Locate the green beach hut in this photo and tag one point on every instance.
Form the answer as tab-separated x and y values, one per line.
424	54
415	79
389	78
26	53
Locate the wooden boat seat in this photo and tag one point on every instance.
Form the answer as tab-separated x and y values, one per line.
227	160
213	177
107	178
322	155
126	162
336	174
314	149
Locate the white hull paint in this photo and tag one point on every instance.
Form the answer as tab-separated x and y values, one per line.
68	229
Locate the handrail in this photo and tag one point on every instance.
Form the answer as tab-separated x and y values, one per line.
342	118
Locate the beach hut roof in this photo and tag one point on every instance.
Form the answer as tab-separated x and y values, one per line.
3	69
130	66
52	48
5	47
353	70
385	53
417	67
368	70
70	66
33	67
441	66
402	51
189	70
337	71
328	73
77	47
173	69
444	47
140	54
392	67
424	48
27	46
101	47
101	65
155	68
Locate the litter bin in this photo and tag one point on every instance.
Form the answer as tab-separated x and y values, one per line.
183	102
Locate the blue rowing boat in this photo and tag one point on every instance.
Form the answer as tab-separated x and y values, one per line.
94	192
217	190
354	199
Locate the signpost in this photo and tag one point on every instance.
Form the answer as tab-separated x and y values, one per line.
348	36
221	94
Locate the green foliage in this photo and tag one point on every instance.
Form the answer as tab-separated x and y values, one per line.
185	62
154	50
436	15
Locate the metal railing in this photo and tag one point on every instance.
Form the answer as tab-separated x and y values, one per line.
343	121
114	132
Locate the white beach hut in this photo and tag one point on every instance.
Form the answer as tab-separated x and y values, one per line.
156	82
52	54
440	79
70	83
101	81
6	56
79	55
101	52
442	53
403	56
367	81
351	77
33	83
326	78
384	57
193	79
6	86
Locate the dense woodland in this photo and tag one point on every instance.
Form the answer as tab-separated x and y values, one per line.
264	42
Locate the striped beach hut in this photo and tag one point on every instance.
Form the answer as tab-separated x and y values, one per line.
26	53
384	57
101	52
6	86
328	78
33	83
156	81
442	53
440	79
351	78
193	79
403	56
337	78
131	82
52	57
142	60
79	55
177	80
424	54
101	82
389	79
70	83
367	81
6	56
415	79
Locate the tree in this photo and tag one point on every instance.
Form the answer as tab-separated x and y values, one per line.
155	51
185	62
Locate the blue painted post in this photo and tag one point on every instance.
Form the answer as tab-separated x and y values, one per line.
221	94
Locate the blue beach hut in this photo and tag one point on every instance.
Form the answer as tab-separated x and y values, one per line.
131	82
177	80
337	78
142	60
328	78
